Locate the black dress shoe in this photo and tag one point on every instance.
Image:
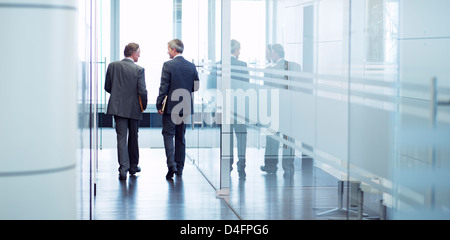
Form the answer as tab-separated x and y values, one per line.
138	169
170	173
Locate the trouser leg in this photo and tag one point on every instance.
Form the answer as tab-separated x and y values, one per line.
133	143
168	133
122	149
241	136
271	153
232	147
288	158
180	146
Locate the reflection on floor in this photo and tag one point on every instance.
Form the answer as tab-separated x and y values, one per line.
149	195
272	196
260	196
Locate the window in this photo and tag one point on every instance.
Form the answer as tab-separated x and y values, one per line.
150	24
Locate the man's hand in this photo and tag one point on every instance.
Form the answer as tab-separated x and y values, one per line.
160	112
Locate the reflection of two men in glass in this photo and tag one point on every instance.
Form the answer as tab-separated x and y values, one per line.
246	105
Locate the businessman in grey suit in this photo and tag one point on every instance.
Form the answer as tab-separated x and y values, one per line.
179	78
125	81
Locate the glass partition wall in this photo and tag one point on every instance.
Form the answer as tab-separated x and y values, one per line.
398	109
297	111
323	109
88	85
201	31
94	31
420	186
373	83
339	105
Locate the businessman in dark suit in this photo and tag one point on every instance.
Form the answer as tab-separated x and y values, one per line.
125	81
179	78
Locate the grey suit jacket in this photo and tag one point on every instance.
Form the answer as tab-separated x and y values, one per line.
125	81
177	73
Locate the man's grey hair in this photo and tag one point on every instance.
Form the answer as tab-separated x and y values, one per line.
177	44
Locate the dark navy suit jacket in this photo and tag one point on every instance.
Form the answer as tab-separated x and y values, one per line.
177	74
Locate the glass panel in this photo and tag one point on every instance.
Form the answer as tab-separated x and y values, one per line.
275	99
211	113
88	90
373	83
330	106
104	56
83	203
201	25
189	16
422	166
399	83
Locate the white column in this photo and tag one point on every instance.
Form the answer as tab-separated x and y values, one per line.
38	123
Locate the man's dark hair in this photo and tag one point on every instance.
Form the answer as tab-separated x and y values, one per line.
130	49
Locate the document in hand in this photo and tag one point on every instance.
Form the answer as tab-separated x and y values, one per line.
140	103
164	103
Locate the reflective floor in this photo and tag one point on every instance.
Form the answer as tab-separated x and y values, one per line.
274	197
148	195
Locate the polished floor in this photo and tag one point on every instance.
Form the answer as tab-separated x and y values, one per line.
148	195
